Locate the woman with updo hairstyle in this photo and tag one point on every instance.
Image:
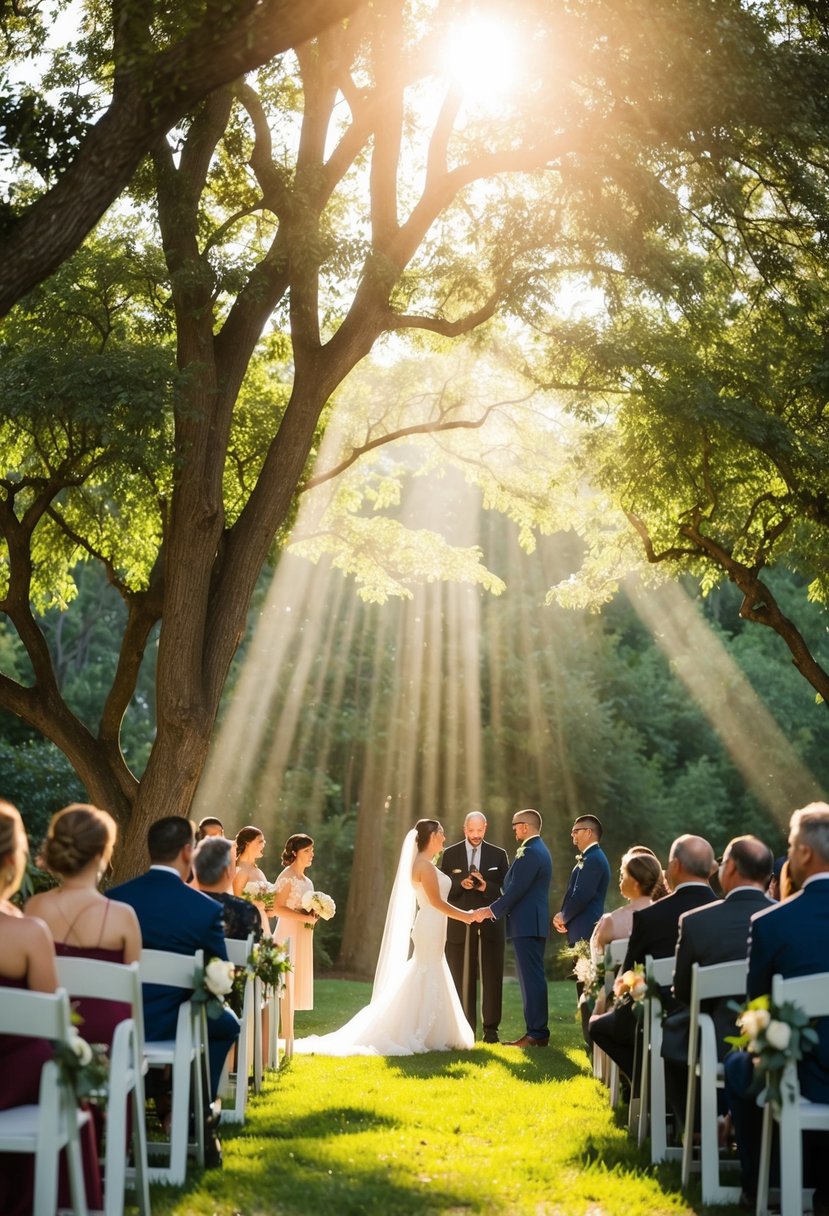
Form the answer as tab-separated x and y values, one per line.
83	922
250	845
294	923
641	882
27	961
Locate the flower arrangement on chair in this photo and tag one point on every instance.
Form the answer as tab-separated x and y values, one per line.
212	985
775	1035
269	963
85	1066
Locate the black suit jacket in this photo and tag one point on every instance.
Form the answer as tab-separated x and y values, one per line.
493	866
655	928
717	933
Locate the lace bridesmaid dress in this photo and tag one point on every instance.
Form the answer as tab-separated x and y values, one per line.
290	889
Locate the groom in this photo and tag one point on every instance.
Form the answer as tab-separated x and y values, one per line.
526	904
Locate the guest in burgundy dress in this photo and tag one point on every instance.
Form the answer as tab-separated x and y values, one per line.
27	960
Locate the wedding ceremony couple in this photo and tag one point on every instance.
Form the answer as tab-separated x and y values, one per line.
414	1005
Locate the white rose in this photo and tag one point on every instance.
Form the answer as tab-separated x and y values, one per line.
778	1035
218	976
255	888
81	1048
754	1021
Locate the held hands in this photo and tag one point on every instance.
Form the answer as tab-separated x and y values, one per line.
481	914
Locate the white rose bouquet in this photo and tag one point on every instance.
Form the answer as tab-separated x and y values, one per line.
775	1035
212	986
269	963
320	903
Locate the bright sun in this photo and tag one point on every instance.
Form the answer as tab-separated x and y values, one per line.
480	57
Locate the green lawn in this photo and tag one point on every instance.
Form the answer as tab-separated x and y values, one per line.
494	1131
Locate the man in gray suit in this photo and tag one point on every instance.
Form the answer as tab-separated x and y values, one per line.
717	933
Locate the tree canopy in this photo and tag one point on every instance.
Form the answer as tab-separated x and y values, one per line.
166	393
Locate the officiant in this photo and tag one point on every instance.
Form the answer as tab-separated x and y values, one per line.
476	869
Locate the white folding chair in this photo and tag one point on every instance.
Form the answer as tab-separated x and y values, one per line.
55	1122
604	1068
185	1055
797	1114
718	981
92	978
652	1109
234	1085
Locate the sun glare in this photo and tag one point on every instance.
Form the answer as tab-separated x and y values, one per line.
480	57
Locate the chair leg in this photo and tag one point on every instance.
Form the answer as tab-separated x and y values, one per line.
139	1148
765	1163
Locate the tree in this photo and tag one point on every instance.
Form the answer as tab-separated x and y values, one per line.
303	214
162	65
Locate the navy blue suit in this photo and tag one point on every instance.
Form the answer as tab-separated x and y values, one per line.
583	902
789	939
525	903
177	918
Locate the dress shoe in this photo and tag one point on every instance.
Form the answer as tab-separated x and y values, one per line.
490	1036
527	1040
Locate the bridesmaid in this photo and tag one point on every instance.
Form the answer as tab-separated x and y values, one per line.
294	922
82	921
27	960
250	845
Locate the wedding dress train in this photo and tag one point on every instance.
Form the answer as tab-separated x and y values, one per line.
415	1006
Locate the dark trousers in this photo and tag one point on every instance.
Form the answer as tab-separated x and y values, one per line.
222	1033
615	1033
529	958
478	956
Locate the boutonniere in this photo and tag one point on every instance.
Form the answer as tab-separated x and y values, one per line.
579	860
519	852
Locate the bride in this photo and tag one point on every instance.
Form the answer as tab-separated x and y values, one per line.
414	1006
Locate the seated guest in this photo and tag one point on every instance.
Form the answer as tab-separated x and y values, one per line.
177	918
641	881
717	933
27	960
790	938
654	932
214	864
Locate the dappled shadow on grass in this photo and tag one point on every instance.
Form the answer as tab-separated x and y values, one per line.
533	1065
296	1176
326	1122
613	1153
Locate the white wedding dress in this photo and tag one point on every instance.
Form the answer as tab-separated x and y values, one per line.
414	1007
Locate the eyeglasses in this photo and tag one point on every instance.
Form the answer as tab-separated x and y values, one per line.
520	823
575	831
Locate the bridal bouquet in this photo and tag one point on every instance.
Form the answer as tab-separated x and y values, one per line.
260	892
212	985
319	902
775	1035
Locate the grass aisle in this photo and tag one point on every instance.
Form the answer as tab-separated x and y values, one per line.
491	1132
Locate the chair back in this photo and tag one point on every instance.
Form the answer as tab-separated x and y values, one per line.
809	992
238	949
615	951
99	980
37	1015
169	969
718	980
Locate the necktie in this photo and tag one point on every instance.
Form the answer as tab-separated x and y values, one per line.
474	863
